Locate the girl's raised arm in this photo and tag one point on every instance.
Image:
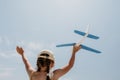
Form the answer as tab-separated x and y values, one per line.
27	64
62	71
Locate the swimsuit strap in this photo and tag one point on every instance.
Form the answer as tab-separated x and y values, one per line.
51	75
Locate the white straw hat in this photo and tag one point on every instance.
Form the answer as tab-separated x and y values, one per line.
46	54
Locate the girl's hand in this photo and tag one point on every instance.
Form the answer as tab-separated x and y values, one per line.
76	48
19	50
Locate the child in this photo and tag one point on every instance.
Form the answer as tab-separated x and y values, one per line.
45	62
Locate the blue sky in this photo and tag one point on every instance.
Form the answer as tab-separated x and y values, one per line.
41	24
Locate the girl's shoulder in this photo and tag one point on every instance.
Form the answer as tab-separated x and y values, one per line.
57	70
57	73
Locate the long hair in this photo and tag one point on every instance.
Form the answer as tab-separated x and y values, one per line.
42	62
48	69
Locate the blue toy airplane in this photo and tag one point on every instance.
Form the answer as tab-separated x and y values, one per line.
84	34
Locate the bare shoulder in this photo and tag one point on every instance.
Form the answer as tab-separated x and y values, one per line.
58	73
30	71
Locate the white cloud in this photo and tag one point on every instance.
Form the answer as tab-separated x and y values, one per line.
3	55
34	46
4	40
8	54
6	72
8	47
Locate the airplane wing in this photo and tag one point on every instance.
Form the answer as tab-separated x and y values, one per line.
65	45
83	47
89	35
90	49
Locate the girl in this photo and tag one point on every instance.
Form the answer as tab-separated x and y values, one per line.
45	62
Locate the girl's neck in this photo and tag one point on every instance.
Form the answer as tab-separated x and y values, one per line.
43	69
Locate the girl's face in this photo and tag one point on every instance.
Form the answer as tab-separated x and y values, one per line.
45	62
44	68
